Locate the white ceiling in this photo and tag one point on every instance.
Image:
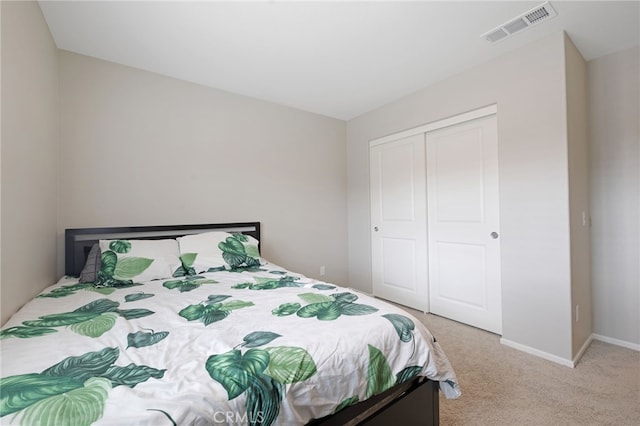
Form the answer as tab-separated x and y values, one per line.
339	59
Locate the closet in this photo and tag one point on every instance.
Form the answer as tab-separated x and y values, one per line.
435	225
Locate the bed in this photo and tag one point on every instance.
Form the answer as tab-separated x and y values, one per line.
132	335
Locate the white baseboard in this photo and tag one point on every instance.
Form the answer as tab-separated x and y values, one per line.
617	342
582	350
538	353
566	362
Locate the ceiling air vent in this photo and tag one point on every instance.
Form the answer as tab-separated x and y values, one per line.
526	20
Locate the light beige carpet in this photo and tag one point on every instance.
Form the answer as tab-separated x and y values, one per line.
503	386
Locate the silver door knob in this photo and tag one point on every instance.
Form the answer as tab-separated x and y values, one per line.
494	235
375	228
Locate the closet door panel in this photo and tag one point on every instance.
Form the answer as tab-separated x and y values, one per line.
398	220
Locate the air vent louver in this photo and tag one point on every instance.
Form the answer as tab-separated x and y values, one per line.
515	26
524	21
537	15
499	34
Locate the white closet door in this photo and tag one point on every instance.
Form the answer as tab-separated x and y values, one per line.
463	223
398	220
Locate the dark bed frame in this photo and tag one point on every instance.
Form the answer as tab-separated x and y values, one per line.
412	403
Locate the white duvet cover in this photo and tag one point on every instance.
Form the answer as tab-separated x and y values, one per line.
260	345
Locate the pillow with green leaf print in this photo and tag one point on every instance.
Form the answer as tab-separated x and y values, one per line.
138	260
240	250
216	250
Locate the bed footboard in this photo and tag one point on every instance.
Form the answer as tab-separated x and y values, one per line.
415	403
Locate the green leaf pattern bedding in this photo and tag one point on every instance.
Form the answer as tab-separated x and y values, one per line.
254	345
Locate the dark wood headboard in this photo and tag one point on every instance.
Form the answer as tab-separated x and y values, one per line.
78	241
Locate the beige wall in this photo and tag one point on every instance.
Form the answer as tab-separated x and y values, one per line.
138	148
29	155
528	86
577	111
614	142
